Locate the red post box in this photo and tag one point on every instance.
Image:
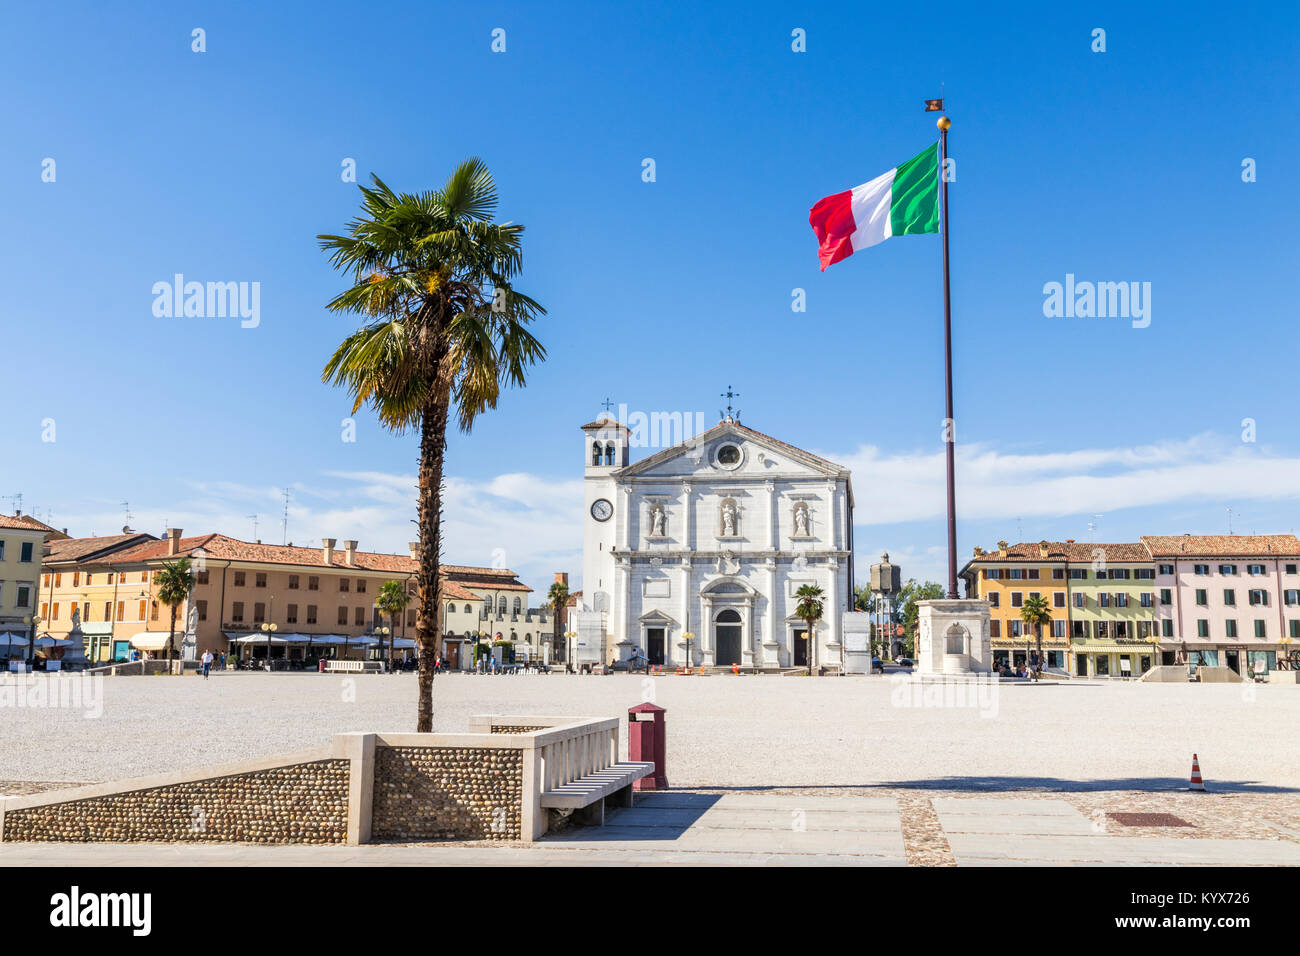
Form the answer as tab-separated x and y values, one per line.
646	741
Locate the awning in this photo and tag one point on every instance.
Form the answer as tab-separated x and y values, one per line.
12	637
257	637
156	641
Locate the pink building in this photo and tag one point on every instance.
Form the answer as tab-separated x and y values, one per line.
1227	600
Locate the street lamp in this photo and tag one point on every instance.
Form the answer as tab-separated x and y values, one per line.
688	636
268	629
569	636
384	632
32	621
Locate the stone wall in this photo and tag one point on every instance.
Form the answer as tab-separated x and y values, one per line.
509	729
452	793
301	803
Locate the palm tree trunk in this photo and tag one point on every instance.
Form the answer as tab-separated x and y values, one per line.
392	637
1038	633
171	639
808	636
433	441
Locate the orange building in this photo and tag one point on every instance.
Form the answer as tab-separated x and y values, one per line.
1006	578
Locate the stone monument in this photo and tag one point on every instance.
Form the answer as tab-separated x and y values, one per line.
953	641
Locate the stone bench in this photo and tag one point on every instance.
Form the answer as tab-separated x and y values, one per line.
588	793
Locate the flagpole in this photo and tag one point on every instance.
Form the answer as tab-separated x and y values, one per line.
950	430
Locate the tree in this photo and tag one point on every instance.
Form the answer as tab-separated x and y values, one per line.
558	598
810	609
174	581
392	600
908	596
863	599
446	331
1035	612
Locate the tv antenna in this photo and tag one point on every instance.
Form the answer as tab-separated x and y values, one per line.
284	522
254	517
1092	526
18	502
126	509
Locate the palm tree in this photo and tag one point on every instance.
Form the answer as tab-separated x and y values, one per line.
1035	612
175	581
431	273
392	600
810	609
558	598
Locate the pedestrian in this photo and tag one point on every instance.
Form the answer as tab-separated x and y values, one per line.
207	663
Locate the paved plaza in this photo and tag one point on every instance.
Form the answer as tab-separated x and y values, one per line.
764	770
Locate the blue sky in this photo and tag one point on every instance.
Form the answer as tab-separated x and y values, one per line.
224	165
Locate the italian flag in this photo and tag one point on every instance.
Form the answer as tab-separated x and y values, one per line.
901	202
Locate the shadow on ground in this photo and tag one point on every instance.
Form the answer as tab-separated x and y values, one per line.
1031	784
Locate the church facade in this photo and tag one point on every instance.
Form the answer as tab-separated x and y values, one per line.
712	537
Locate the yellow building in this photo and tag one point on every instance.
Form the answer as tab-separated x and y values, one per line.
1009	576
22	548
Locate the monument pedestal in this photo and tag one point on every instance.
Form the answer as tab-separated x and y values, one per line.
953	641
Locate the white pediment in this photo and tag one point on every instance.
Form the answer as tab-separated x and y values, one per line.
730	453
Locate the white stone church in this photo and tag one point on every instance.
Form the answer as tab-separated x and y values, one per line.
713	537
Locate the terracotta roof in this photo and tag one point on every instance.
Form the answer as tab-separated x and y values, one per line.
1076	552
224	548
610	423
24	523
78	549
1223	545
451	590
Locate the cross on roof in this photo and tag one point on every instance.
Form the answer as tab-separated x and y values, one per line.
732	414
607	404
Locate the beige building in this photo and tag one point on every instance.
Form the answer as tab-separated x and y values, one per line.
319	599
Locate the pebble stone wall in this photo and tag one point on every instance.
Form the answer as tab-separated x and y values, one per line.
451	793
511	729
302	803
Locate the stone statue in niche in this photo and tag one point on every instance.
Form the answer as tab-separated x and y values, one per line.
728	519
801	520
657	521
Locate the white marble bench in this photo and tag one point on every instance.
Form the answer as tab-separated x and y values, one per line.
588	793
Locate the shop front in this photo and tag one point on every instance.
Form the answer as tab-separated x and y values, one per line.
1118	658
1012	653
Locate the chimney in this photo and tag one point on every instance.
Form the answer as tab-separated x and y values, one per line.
1069	541
328	556
562	577
1002	549
1044	549
414	548
350	552
979	552
173	541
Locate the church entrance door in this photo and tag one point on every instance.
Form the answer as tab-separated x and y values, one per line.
726	633
800	647
654	645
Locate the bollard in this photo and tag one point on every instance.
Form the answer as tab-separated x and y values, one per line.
646	741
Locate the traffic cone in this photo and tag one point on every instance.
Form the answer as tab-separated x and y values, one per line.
1196	783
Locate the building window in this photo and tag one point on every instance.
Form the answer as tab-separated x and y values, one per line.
1079	629
1258	596
1058	599
311	613
1294	628
361	585
410	618
293	582
200	578
259	612
343	616
1121	599
259	579
1147	599
1290	569
1119	574
203	609
25	553
1261	627
343	585
468	609
1103	630
359	618
993	573
237	611
121	610
1017	599
142	604
1166	569
1103	599
1033	574
1256	569
24	596
518	605
1144	574
1058	574
1230	628
1015	574
1201	599
1166	628
153	611
1058	629
595	453
1292	597
1080	600
313	583
239	579
76	579
1201	569
1229	597
1166	596
291	615
1014	624
1202	627
609	453
995	628
1078	574
1227	569
58	580
995	599
108	611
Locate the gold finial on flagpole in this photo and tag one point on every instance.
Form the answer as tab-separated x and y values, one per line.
943	123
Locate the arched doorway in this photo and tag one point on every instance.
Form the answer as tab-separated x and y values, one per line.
726	638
